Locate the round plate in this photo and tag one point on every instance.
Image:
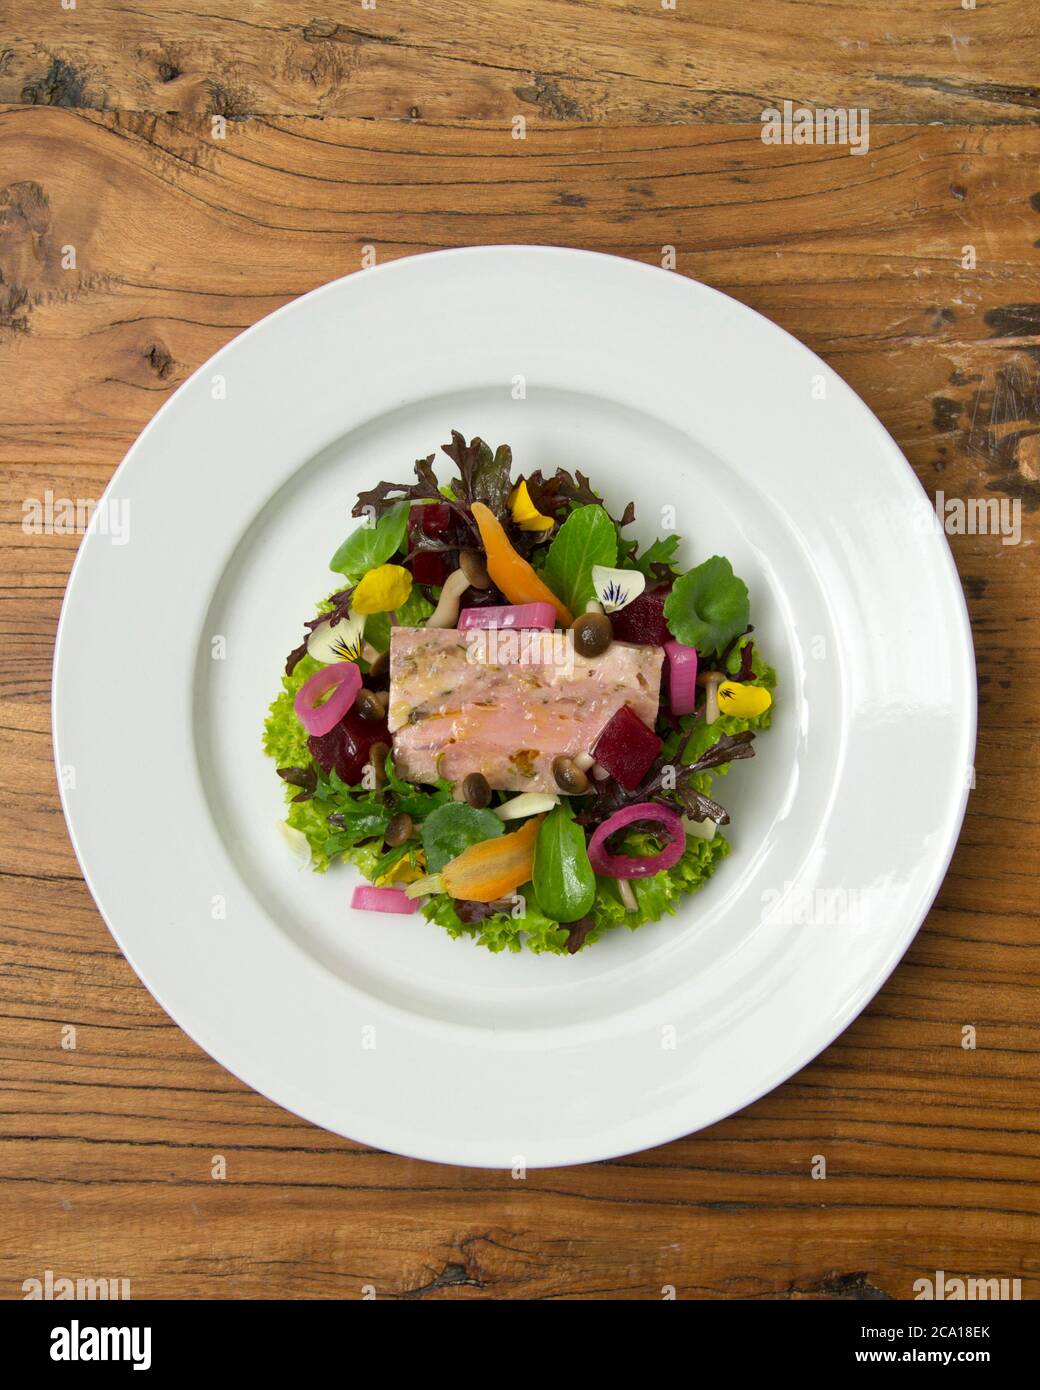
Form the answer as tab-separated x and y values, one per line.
210	550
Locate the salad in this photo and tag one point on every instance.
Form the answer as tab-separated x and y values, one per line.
510	716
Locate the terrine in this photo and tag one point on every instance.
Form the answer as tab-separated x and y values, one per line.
507	704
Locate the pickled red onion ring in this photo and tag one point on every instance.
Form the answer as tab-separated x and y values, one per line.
344	679
637	866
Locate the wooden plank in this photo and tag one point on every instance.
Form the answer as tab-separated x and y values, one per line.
589	60
181	241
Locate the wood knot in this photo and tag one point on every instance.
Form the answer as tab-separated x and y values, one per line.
160	361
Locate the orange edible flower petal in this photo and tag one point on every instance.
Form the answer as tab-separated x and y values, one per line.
493	868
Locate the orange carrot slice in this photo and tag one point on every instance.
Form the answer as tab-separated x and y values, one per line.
510	571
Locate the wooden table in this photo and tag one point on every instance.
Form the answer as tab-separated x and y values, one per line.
135	241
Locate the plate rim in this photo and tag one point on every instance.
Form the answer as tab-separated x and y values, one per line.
963	639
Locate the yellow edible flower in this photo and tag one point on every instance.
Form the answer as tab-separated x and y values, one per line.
382	590
403	871
743	701
525	513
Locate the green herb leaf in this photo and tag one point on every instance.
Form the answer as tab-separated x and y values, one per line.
708	607
564	882
452	828
588	537
660	556
372	545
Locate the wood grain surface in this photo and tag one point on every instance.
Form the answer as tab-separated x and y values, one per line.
391	128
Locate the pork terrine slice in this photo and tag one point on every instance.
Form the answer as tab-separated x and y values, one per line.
507	703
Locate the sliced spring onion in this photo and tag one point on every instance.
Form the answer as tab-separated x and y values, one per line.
526	804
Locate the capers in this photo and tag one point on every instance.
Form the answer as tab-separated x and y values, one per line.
569	776
476	790
474	569
369	705
377	756
399	830
592	634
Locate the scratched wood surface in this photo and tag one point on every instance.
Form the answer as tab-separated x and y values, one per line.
181	241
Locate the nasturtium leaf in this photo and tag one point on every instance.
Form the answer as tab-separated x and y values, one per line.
452	828
708	607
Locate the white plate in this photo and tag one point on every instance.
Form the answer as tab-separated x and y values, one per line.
384	1029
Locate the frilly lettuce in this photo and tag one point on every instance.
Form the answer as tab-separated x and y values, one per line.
656	896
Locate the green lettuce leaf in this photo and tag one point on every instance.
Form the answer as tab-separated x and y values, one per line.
371	545
588	537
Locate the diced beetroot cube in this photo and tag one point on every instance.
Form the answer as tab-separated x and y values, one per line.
627	748
428	567
434	519
642	620
345	747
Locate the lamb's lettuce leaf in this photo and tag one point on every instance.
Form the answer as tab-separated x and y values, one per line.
656	896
